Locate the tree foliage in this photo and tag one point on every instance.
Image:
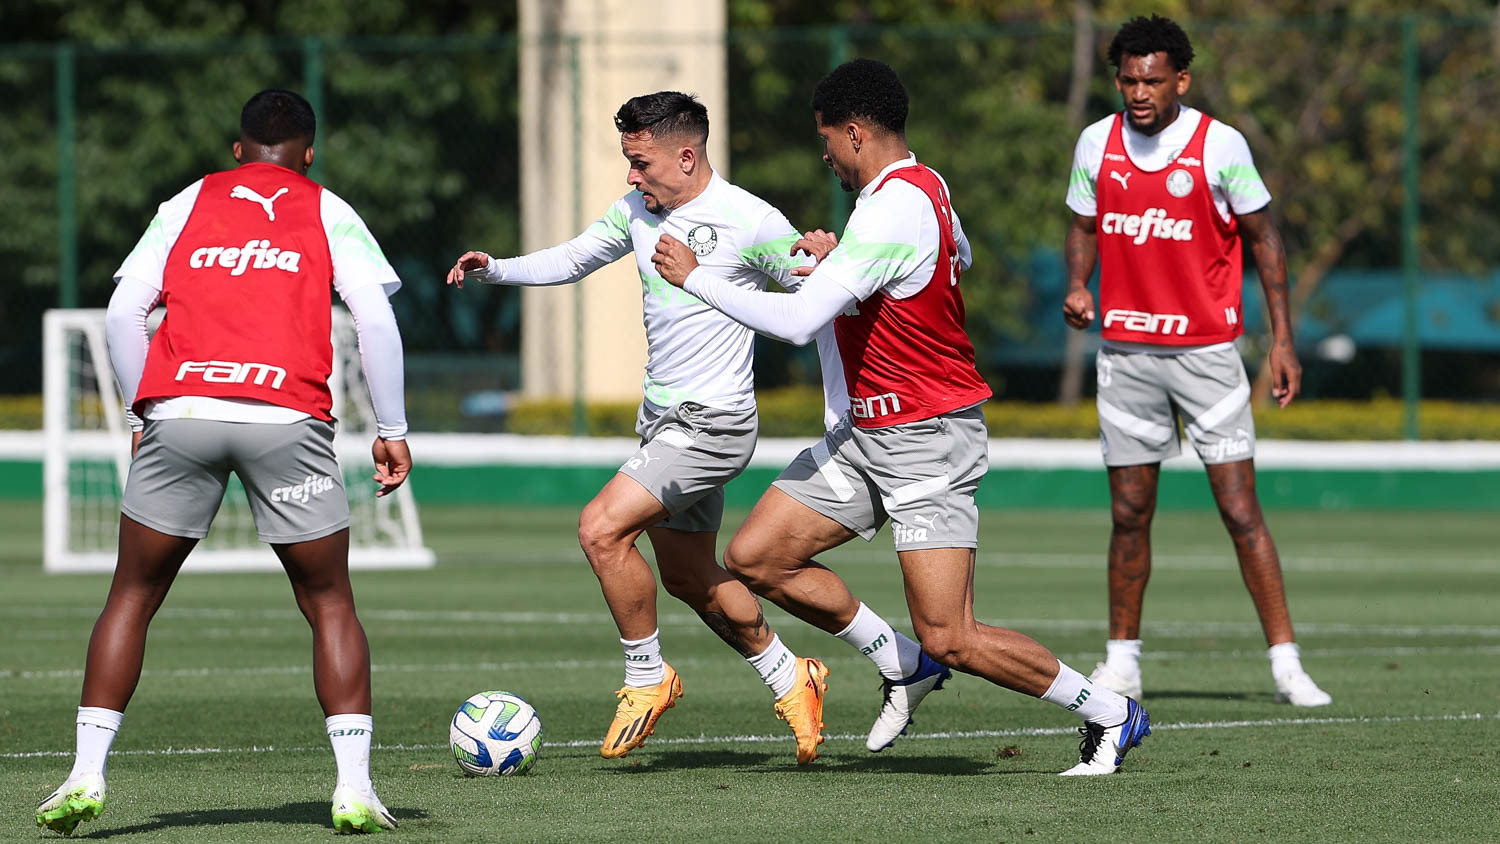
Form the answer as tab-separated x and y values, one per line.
418	134
421	135
1316	89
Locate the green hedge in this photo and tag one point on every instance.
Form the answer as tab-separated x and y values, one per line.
797	412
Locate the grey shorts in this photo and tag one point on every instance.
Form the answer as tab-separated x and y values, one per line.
290	474
920	475
688	453
1143	396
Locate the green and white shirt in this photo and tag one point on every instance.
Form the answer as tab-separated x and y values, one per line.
693	352
1236	184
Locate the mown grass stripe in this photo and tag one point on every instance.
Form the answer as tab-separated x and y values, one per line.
1264	723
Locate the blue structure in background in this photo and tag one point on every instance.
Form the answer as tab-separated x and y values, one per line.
1458	313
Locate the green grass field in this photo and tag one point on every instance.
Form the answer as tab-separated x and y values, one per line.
1396	612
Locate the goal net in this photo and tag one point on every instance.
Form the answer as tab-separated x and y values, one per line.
87	457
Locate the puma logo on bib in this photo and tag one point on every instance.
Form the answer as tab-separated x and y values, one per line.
242	192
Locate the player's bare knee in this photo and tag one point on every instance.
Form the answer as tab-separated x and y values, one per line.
745	560
1132	513
598	535
1242	519
946	645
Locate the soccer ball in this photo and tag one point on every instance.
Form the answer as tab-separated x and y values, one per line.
495	734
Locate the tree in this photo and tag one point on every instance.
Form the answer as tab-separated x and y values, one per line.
418	134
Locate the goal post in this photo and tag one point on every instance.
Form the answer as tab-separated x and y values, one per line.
86	459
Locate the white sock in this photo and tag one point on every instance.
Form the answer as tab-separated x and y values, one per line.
777	666
1286	658
97	727
1092	702
643	663
350	736
871	635
1123	656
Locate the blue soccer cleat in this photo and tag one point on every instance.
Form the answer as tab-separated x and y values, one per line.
1104	748
901	699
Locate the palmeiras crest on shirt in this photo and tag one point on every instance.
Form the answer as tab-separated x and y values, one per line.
1179	183
702	239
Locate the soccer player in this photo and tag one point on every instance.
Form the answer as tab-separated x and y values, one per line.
913	447
697	421
236	380
1161	195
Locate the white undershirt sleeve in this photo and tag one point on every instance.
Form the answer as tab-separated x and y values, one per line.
128	337
381	356
835	390
602	243
1231	170
1088	158
794	318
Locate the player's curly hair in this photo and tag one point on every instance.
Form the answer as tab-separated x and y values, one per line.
863	88
275	116
1143	36
664	113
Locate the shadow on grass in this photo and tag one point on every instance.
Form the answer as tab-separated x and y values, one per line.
947	766
778	763
650	763
1198	694
311	814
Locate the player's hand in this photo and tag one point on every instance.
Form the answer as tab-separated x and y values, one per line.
1078	308
466	262
674	260
392	464
1286	372
816	243
135	443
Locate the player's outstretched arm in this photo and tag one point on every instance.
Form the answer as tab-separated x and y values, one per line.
1081	252
1270	263
392	464
604	242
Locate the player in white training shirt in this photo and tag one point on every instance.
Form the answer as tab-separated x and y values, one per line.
244	260
697	422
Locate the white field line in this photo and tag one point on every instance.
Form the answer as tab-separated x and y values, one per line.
1163	629
439	449
1268	723
1219	559
218	672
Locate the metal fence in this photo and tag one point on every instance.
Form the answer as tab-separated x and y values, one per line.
1375	136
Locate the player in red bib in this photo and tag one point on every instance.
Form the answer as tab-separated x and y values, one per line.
914	447
236	380
1161	197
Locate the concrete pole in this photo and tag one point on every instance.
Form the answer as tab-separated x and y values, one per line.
580	60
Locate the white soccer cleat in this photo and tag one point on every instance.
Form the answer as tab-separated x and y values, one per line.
1298	689
359	811
74	802
901	699
1104	748
1128	685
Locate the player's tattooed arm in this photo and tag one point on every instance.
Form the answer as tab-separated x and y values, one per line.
1081	252
731	633
1270	263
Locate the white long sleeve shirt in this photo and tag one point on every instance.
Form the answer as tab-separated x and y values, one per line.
890	245
694	352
